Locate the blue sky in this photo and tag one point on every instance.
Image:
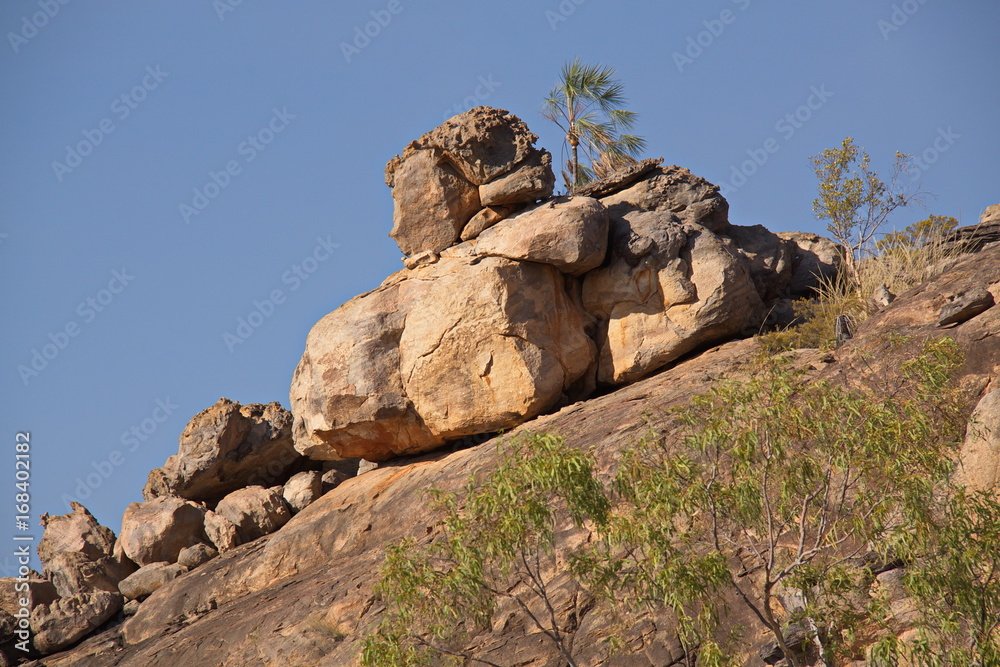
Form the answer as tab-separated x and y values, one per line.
171	169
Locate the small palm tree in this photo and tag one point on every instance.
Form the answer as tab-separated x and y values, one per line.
586	105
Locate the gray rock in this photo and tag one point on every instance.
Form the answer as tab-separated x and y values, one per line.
619	180
882	297
157	531
226	447
255	511
333	478
768	257
673	190
67	620
302	490
149	578
964	306
815	259
195	555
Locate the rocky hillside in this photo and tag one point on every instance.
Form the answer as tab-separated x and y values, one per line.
588	316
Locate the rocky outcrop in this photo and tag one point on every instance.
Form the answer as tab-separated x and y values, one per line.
221	532
483	157
78	554
227	447
673	190
157	530
148	579
255	511
505	334
67	620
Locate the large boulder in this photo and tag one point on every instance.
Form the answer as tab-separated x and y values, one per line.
78	554
439	181
255	511
148	579
67	620
302	490
226	447
221	532
667	288
673	190
768	257
462	346
570	233
157	530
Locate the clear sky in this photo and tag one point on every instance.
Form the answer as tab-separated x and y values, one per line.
170	168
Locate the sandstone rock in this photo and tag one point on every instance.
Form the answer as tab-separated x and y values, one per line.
667	288
221	532
333	478
195	555
436	180
619	180
528	182
255	511
39	591
149	578
570	233
420	259
768	257
814	259
673	190
226	447
67	620
979	459
504	334
302	489
965	305
367	466
432	203
157	530
486	218
78	554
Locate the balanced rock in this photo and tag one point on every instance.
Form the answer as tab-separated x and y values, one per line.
149	578
667	288
570	233
157	530
78	554
226	447
464	346
255	511
439	180
67	620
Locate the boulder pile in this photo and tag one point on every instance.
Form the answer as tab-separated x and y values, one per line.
514	302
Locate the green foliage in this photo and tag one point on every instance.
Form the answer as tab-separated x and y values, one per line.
498	543
929	230
854	200
816	328
586	104
953	574
780	483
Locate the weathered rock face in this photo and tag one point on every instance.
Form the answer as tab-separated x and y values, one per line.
979	459
768	257
67	620
221	532
814	259
255	511
481	157
504	333
157	530
227	447
78	554
570	233
198	554
668	288
673	190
